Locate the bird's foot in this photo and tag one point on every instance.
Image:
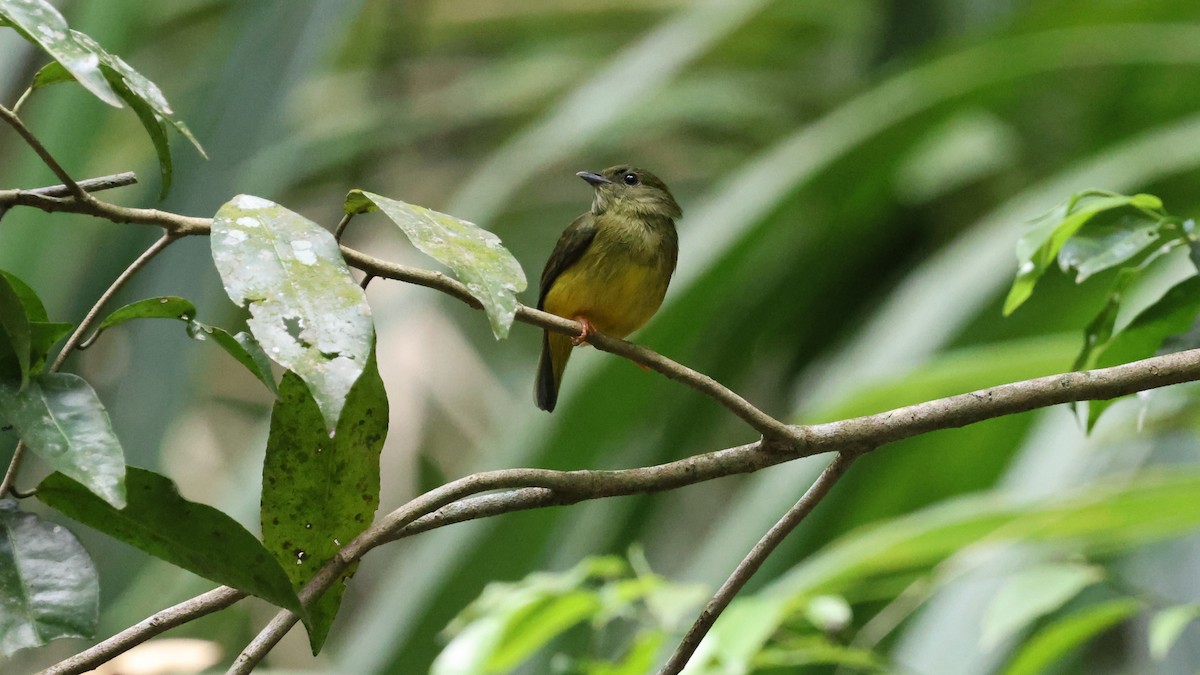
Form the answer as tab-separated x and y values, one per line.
588	330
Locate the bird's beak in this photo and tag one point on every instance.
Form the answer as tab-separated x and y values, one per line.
594	179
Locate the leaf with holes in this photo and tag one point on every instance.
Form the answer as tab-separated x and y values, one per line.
306	310
475	255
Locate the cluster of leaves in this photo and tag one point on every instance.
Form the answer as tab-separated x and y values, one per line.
1060	594
1154	300
307	314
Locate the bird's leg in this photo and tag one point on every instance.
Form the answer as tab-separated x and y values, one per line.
587	331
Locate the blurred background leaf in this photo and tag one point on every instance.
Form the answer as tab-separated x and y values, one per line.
854	177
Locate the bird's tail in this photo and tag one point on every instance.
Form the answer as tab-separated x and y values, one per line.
556	349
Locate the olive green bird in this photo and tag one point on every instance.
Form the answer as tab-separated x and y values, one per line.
610	268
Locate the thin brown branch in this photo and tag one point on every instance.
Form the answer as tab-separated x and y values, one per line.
188	610
23	131
754	560
14	464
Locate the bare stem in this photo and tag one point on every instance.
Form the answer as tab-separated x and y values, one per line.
165	240
23	131
754	560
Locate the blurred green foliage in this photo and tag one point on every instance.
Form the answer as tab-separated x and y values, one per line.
854	177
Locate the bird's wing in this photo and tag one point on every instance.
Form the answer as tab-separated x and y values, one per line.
570	247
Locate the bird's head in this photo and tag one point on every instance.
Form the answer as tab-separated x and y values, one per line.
627	189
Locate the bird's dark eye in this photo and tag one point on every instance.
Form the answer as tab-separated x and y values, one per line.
630	178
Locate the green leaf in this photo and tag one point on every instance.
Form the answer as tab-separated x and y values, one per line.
43	335
475	255
1039	247
817	650
49	588
321	492
142	95
15	338
1060	637
1099	520
242	347
167	307
187	534
429	474
154	125
1173	314
29	299
509	622
1108	242
306	309
62	420
640	658
1031	594
51	73
39	22
1167	626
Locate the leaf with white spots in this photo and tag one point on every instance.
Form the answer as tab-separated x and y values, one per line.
306	310
475	255
39	22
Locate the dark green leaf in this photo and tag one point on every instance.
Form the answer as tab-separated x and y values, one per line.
306	309
51	73
167	307
321	492
242	347
193	536
475	255
48	585
62	420
39	22
1108	241
14	335
1173	314
1060	637
32	303
42	336
1031	594
1039	247
429	474
154	125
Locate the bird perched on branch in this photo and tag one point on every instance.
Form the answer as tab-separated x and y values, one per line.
610	268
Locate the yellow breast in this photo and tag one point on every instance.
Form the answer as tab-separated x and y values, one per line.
615	293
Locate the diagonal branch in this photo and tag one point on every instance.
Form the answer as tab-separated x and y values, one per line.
14	464
23	131
753	560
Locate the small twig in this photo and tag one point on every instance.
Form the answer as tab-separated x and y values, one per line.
753	560
367	279
201	605
98	184
16	109
341	227
165	240
15	122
